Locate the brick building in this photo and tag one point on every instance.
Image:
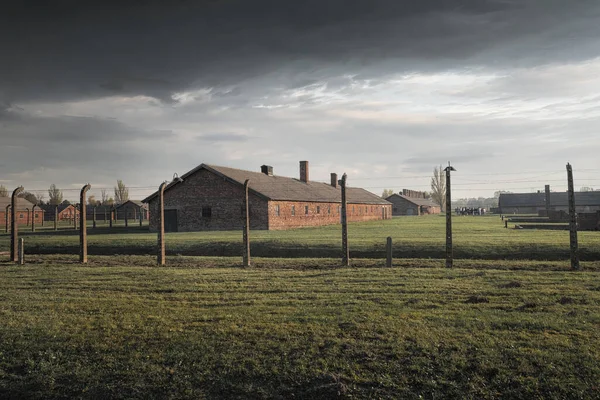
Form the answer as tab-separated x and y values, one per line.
211	198
65	212
412	202
131	210
25	211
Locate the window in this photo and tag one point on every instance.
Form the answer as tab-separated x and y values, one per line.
318	209
366	209
20	215
293	210
305	210
277	210
206	212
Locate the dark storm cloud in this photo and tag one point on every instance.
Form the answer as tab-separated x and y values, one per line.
68	50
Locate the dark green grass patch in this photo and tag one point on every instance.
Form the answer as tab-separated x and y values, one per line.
122	327
413	237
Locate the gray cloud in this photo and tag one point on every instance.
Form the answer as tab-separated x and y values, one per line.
70	51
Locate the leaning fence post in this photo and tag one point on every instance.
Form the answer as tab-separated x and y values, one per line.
14	225
388	252
345	250
83	255
21	259
246	234
573	220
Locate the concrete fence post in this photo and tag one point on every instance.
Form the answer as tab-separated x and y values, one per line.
449	255
6	219
388	252
21	259
572	220
75	217
141	216
14	225
94	217
43	216
246	233
55	218
126	217
33	218
110	219
83	253
27	208
345	249
161	223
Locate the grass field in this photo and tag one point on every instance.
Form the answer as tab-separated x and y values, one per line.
121	327
414	237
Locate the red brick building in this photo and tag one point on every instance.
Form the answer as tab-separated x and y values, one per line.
25	211
211	198
412	202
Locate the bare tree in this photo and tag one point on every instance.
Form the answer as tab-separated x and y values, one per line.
438	187
55	195
121	192
40	198
104	197
387	193
3	191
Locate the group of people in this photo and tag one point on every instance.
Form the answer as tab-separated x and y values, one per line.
470	211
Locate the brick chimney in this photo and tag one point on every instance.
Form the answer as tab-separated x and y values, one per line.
304	171
267	170
334	180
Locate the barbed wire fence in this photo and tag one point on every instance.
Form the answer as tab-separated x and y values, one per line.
116	218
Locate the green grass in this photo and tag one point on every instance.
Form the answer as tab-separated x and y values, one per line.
121	327
421	237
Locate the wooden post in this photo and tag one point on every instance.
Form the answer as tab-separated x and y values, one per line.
449	256
573	220
506	223
21	259
83	254
126	218
388	251
33	218
141	216
94	217
6	219
14	225
246	233
345	250
43	216
110	219
161	223
55	218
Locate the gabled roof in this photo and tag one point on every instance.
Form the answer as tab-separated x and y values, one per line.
539	199
415	200
137	203
273	187
61	207
22	203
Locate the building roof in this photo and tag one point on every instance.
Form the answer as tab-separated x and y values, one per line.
22	203
539	199
415	200
273	187
51	207
137	203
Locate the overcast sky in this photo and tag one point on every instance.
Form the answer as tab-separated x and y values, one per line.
508	91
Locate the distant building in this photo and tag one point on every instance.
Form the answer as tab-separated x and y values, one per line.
25	211
412	202
211	198
534	203
132	209
65	212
